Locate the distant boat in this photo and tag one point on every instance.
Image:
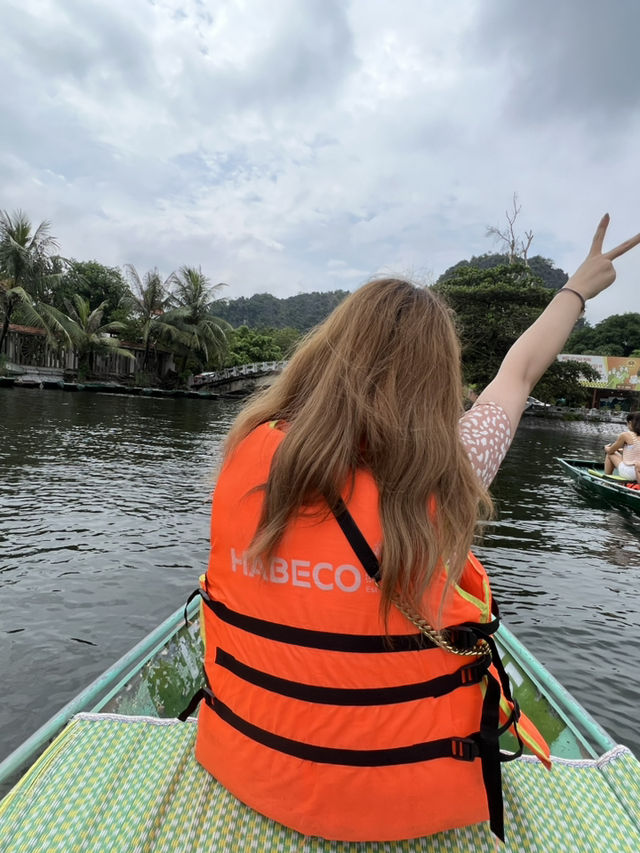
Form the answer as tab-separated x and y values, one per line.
35	380
591	476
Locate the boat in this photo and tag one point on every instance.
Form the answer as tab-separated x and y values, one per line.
118	770
590	475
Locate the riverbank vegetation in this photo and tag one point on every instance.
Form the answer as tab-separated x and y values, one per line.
95	310
493	306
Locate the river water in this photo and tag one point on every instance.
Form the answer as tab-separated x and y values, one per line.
104	511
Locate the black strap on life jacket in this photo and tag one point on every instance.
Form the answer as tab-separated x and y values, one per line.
490	755
472	673
359	544
483	744
325	640
204	693
459	748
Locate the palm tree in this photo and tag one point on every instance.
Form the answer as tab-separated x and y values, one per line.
89	336
149	300
16	300
27	269
194	300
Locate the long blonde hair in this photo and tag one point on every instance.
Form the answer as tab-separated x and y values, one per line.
376	386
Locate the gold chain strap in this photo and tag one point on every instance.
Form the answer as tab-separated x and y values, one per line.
481	648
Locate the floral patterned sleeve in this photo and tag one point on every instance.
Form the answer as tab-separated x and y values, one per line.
486	434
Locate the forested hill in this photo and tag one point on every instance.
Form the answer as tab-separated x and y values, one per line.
262	310
306	310
551	275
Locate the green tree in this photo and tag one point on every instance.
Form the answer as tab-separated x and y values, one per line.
285	339
563	381
147	302
493	307
264	311
89	335
248	346
204	335
551	276
261	309
28	270
618	335
94	282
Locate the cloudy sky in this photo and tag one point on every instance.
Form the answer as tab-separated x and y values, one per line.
297	145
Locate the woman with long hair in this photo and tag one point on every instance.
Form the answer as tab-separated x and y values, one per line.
353	688
622	457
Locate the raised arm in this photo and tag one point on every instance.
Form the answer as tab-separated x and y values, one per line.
538	346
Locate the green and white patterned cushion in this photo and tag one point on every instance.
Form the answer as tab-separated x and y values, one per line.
111	783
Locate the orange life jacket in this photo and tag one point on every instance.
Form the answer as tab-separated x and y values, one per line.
313	716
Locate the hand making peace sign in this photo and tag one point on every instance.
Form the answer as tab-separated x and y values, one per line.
597	272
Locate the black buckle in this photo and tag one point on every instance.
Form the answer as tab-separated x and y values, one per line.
516	710
471	673
464	748
463	637
513	718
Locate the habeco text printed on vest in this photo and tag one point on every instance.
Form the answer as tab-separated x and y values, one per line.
301	573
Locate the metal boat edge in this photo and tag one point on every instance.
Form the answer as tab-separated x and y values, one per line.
576	728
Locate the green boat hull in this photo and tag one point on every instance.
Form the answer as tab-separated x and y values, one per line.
159	675
590	476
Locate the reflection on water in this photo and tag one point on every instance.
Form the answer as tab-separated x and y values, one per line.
103	532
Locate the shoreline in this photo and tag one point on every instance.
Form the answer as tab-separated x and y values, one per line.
563	413
50	384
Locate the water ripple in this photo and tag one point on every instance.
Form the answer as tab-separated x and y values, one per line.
104	516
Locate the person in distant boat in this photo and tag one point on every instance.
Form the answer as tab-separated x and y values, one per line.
353	689
623	456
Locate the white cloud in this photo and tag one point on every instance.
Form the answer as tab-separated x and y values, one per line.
305	145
